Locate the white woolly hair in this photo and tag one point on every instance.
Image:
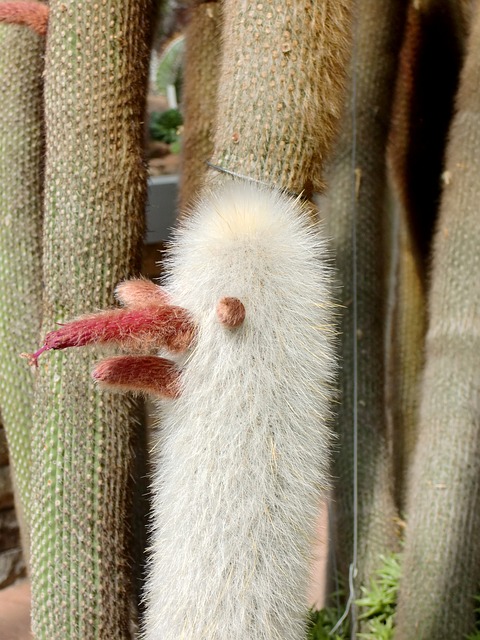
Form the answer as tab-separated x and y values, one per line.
244	452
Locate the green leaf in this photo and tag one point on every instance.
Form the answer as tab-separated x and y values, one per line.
321	623
170	64
379	629
165	126
378	602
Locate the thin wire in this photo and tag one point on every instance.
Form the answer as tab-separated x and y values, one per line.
234	174
220	169
350	607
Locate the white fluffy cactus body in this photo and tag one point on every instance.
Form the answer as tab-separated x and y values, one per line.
243	452
243	442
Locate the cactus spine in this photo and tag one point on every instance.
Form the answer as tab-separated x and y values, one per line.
95	84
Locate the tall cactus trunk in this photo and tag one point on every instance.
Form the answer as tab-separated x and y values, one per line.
357	196
427	82
430	63
202	59
95	85
21	154
442	552
282	89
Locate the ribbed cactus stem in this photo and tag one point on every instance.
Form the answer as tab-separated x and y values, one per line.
21	154
95	84
442	553
356	200
427	82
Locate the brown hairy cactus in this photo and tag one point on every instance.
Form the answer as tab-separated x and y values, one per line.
30	14
441	565
282	88
202	59
21	191
356	200
96	71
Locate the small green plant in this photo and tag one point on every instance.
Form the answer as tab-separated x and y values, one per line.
379	601
165	126
376	608
476	634
321	623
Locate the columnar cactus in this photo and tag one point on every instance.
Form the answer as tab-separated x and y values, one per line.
245	440
244	446
407	327
429	66
95	186
442	554
356	200
282	89
202	58
21	154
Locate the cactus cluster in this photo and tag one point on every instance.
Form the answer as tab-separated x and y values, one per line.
244	431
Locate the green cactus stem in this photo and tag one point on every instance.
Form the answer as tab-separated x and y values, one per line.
21	154
95	189
430	61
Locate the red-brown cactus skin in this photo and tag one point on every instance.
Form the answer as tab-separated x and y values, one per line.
142	374
31	14
148	322
142	328
139	293
231	312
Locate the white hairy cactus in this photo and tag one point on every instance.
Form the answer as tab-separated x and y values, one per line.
243	452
